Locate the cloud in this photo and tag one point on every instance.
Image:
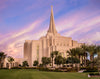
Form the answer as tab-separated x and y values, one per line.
80	28
13	42
21	32
92	38
76	23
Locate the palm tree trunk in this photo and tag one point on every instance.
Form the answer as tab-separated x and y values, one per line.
79	57
85	59
82	60
91	59
52	62
0	64
72	61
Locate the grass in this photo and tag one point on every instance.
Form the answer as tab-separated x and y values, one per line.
35	74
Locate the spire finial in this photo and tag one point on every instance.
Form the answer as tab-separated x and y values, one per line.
52	28
51	6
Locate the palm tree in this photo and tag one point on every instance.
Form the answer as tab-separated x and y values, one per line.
79	53
25	64
97	49
58	60
63	61
72	53
52	56
98	58
56	53
45	61
2	57
35	63
84	51
91	49
10	60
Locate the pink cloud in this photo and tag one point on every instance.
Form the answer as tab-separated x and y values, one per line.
13	43
75	21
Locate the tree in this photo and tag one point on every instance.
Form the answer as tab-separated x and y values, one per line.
58	60
72	53
72	60
91	49
19	65
25	64
98	58
10	60
52	56
45	61
63	61
84	51
35	63
2	57
56	53
98	62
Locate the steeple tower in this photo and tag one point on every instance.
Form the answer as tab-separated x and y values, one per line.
52	28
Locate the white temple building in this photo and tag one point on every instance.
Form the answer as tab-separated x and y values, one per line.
52	41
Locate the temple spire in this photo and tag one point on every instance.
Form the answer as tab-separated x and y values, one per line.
52	28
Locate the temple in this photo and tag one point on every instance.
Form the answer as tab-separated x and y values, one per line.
53	41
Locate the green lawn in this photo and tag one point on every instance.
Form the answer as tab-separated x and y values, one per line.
35	74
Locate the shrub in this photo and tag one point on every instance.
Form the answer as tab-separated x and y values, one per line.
41	65
95	73
3	68
43	69
82	68
19	65
71	69
58	69
89	69
16	68
35	63
24	68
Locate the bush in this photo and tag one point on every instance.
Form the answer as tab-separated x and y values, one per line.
83	68
3	68
59	69
47	69
89	69
43	69
24	68
35	63
96	73
40	65
71	69
16	68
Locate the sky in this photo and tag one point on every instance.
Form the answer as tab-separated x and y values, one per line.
22	20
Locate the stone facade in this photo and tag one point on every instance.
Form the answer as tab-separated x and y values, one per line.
53	41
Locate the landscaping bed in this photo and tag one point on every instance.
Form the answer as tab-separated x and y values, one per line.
96	74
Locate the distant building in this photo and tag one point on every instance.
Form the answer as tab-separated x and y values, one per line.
53	41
